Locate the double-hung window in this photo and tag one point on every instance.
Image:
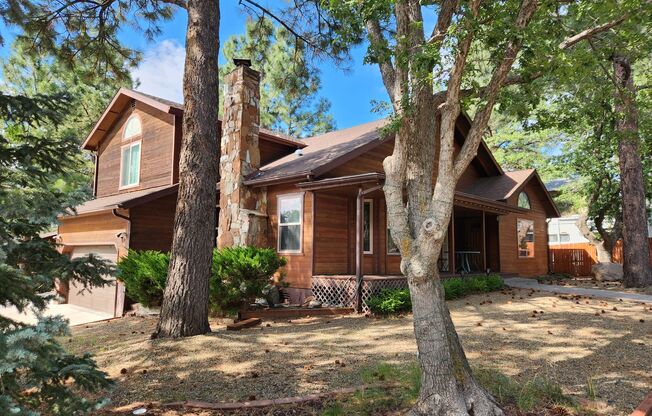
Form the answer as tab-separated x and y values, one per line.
290	221
130	165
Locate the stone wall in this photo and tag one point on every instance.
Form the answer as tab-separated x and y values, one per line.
243	210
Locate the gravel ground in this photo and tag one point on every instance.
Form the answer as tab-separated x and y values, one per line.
575	342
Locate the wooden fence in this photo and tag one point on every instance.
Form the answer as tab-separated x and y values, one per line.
577	259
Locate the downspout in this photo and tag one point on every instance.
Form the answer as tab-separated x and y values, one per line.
115	213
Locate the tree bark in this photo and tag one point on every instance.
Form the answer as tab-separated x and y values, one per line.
184	311
602	247
636	255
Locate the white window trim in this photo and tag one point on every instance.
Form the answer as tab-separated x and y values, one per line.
371	226
140	159
140	121
518	247
279	198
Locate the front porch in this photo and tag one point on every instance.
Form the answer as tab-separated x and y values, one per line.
355	257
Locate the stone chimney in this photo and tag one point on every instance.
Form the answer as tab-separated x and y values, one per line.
243	210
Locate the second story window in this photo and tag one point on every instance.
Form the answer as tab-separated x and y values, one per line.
133	127
130	165
524	201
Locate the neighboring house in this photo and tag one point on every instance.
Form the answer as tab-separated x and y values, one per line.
317	201
564	231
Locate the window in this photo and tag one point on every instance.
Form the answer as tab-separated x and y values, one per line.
564	238
391	247
553	238
130	165
524	201
367	226
290	217
133	127
525	235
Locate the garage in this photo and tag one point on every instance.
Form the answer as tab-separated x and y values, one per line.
108	299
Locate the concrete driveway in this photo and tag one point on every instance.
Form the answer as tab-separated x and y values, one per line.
76	315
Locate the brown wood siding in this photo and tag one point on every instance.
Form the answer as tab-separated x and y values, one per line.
99	229
510	262
157	152
332	234
298	271
152	224
271	151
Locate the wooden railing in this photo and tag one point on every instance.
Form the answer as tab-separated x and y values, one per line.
577	259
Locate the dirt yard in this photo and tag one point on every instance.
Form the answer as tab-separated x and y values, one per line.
582	344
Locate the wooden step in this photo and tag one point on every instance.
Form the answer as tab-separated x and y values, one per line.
247	323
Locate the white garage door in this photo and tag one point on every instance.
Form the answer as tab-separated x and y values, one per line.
99	298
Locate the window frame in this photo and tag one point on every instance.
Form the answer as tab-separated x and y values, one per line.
280	198
565	234
133	116
140	157
527	197
518	243
371	225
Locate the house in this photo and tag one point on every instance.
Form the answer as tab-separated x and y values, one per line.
564	230
318	201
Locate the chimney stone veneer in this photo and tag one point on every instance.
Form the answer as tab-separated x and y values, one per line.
243	210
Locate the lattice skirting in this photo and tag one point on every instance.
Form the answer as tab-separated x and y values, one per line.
340	290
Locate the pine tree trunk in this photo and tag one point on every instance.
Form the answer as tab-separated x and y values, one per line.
184	311
636	256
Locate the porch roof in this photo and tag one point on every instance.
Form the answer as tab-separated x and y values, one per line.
124	200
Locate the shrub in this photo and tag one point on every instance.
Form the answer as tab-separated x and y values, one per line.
239	275
390	301
458	287
144	274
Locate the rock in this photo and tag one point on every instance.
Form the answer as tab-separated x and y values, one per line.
140	310
608	272
314	304
307	301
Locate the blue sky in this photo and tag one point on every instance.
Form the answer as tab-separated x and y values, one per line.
160	73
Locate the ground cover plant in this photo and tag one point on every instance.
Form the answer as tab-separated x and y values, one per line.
395	301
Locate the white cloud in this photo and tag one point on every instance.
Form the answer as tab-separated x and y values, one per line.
160	73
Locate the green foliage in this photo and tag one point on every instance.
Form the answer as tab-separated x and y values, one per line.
37	373
239	275
395	301
44	113
535	393
144	274
289	100
395	388
390	302
458	287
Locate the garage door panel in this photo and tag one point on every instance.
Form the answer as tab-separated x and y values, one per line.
98	298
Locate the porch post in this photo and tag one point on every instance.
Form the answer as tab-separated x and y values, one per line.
484	244
451	242
359	240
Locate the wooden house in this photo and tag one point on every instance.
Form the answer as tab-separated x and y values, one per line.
317	201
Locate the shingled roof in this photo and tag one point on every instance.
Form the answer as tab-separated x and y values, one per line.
322	153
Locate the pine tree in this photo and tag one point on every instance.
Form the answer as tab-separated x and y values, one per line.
289	100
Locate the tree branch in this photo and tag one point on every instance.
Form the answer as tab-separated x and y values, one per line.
387	69
590	32
181	3
444	18
481	119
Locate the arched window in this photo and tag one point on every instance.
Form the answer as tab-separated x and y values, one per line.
133	127
524	201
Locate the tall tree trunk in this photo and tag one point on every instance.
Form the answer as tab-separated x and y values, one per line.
184	311
636	255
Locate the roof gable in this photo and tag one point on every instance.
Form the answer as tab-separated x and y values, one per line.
124	97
